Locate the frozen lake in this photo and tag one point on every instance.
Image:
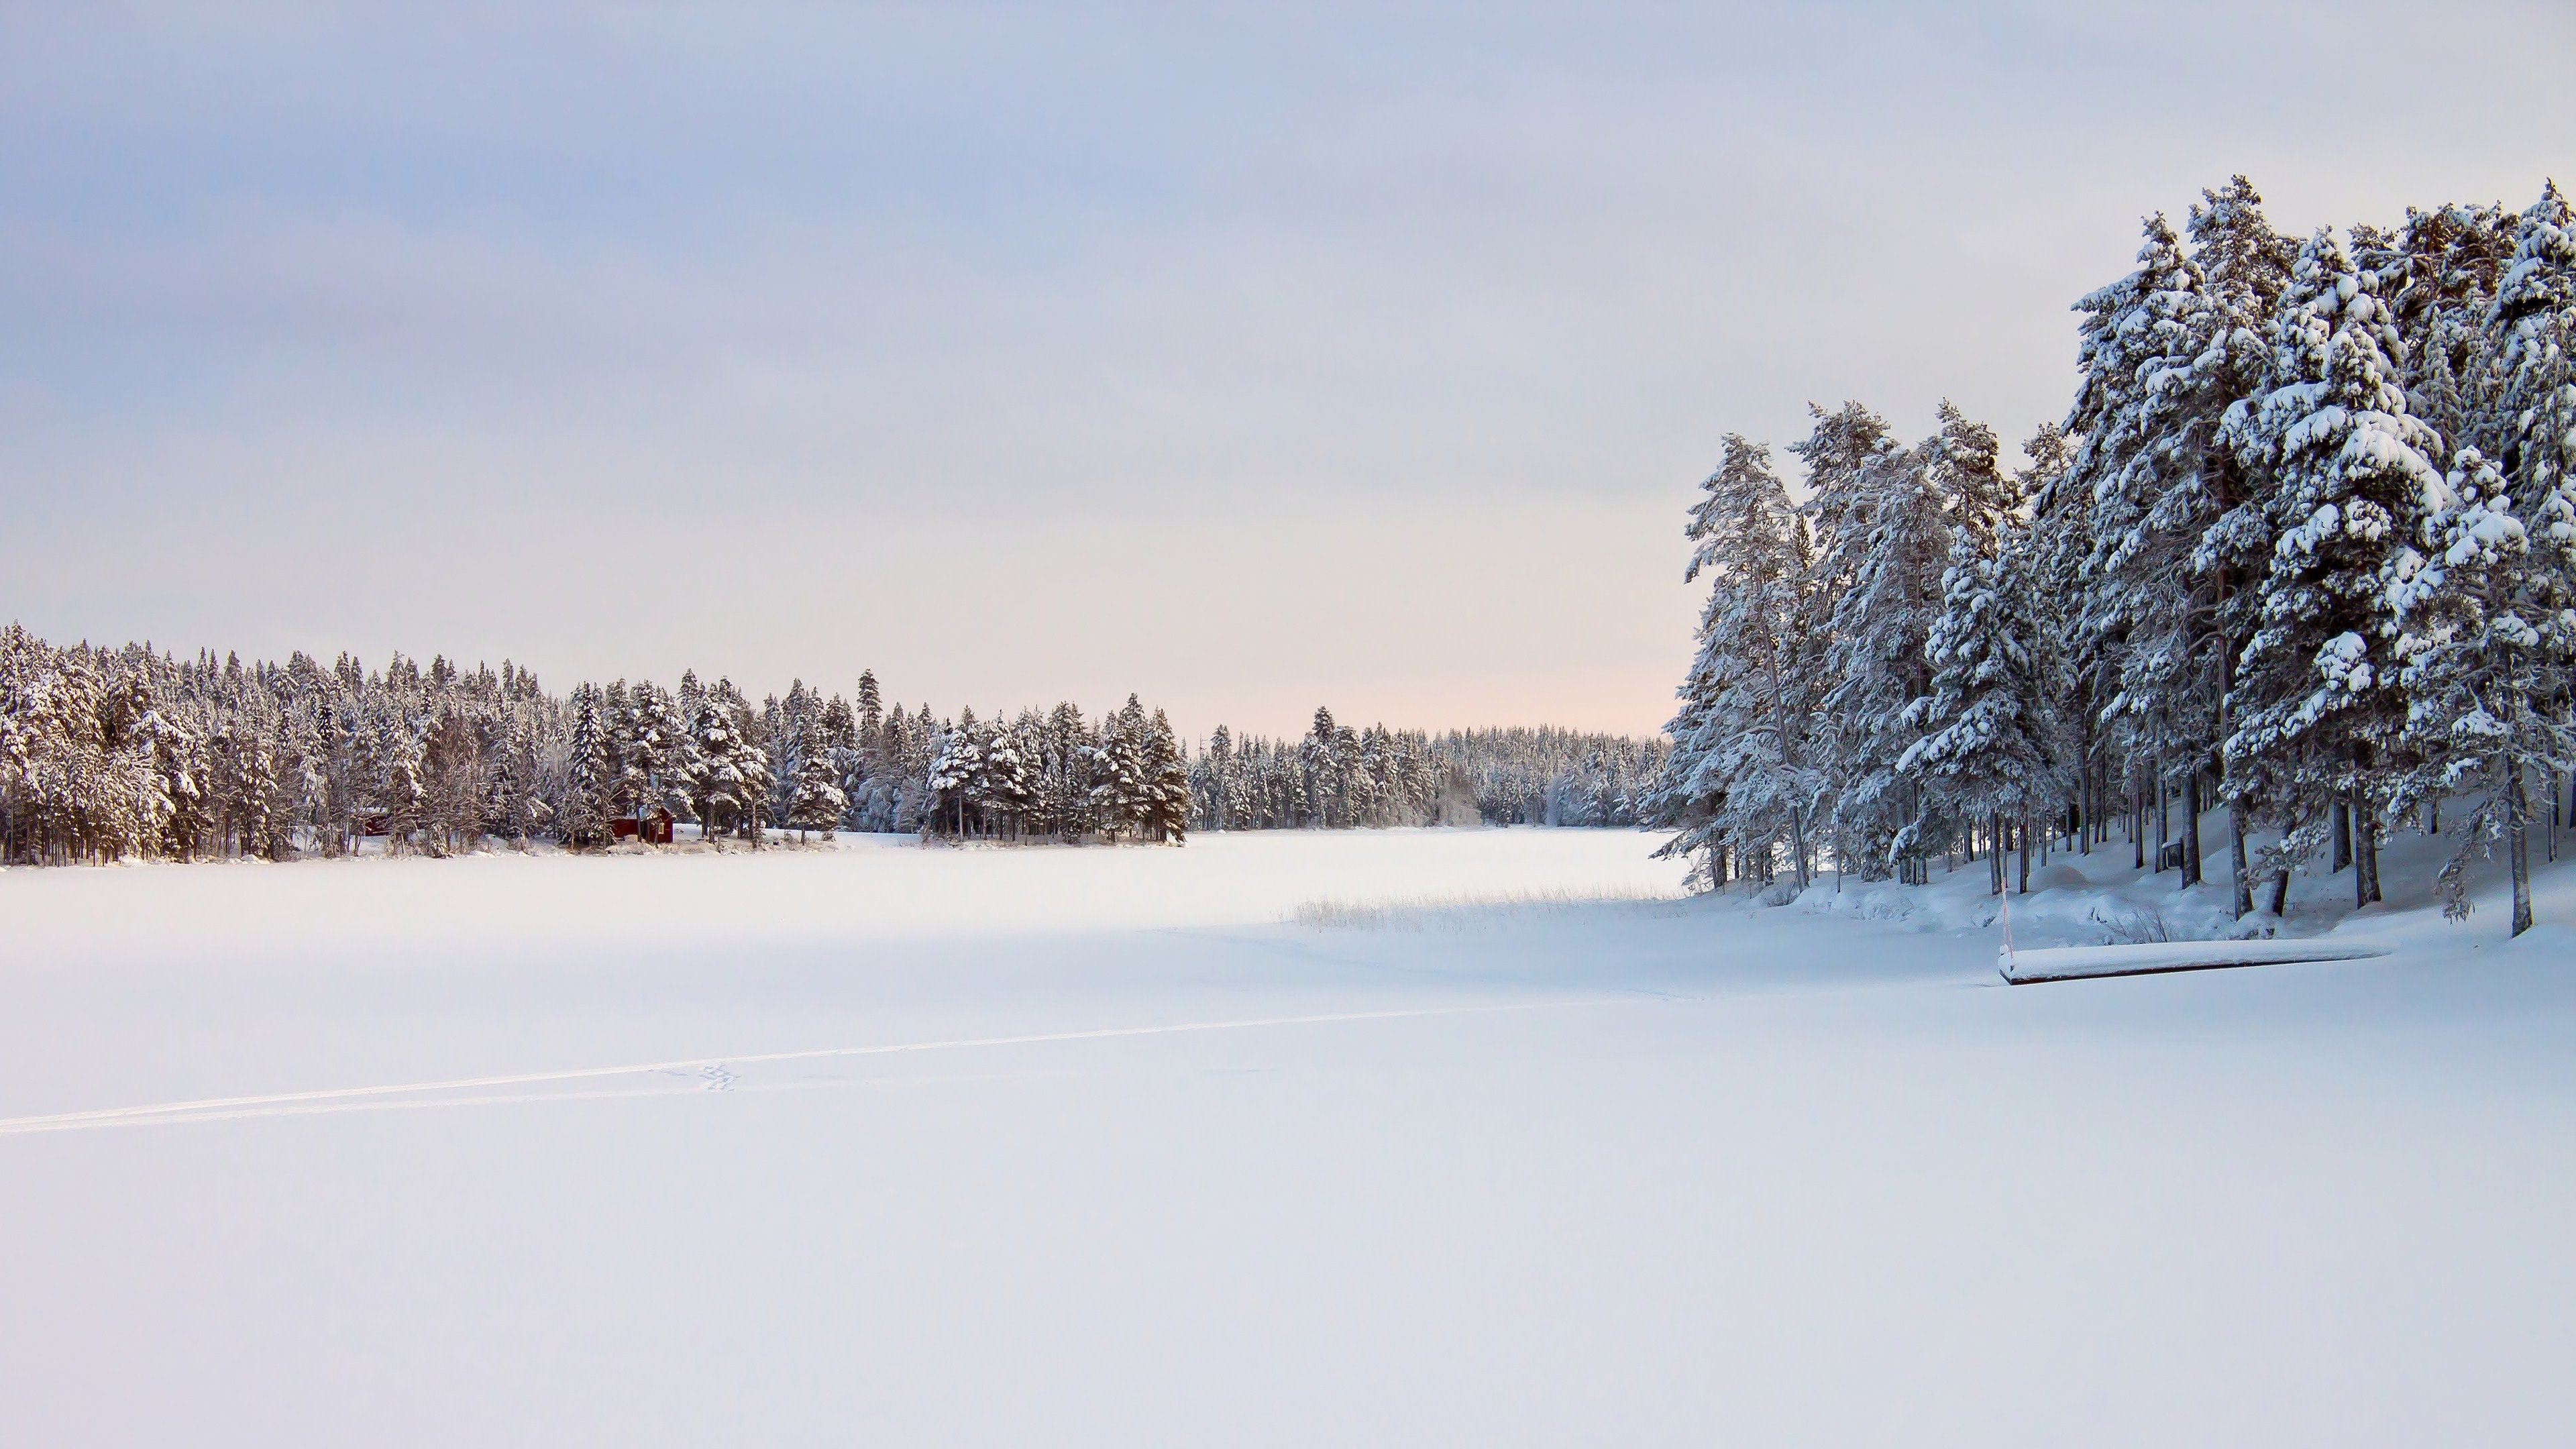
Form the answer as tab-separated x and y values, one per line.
1287	1139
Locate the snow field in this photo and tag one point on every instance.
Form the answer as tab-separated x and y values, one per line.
1636	1171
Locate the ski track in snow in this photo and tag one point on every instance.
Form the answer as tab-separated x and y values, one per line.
713	1074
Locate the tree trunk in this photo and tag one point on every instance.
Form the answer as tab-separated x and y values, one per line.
1788	759
2517	831
2164	813
2371	847
2191	873
2240	874
2138	829
2341	830
2549	782
2023	826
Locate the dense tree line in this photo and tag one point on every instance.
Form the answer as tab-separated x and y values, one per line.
1053	776
1335	777
108	754
1554	776
2304	551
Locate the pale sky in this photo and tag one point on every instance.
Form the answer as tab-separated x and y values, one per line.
1246	357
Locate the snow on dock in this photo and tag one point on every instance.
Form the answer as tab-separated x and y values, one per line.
2148	958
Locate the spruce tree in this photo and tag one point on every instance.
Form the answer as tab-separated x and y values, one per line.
817	802
1119	789
1167	784
720	794
581	811
2350	483
2245	268
1743	775
2484	626
2133	627
2533	322
951	779
1991	741
1967	473
1897	545
1322	782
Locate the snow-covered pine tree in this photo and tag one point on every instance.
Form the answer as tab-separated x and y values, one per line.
752	760
667	753
1119	783
912	742
2534	331
2245	269
2533	323
2439	274
923	741
74	784
951	779
619	714
1322	781
451	772
2132	629
817	802
1891	555
840	726
1167	784
509	792
781	733
1743	778
721	790
882	807
398	793
1838	454
989	785
180	769
689	696
1063	774
2485	632
1991	742
1214	784
242	767
581	812
2350	481
1014	770
2058	547
869	707
1968	475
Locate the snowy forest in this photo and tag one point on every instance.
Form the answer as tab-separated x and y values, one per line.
1334	776
2302	558
108	754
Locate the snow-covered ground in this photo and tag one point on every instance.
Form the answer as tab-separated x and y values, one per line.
1369	1138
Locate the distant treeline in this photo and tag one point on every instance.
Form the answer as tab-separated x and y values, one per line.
1334	776
118	753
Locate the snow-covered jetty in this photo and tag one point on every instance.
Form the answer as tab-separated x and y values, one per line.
2076	963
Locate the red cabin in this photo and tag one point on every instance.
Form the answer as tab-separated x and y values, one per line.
653	829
